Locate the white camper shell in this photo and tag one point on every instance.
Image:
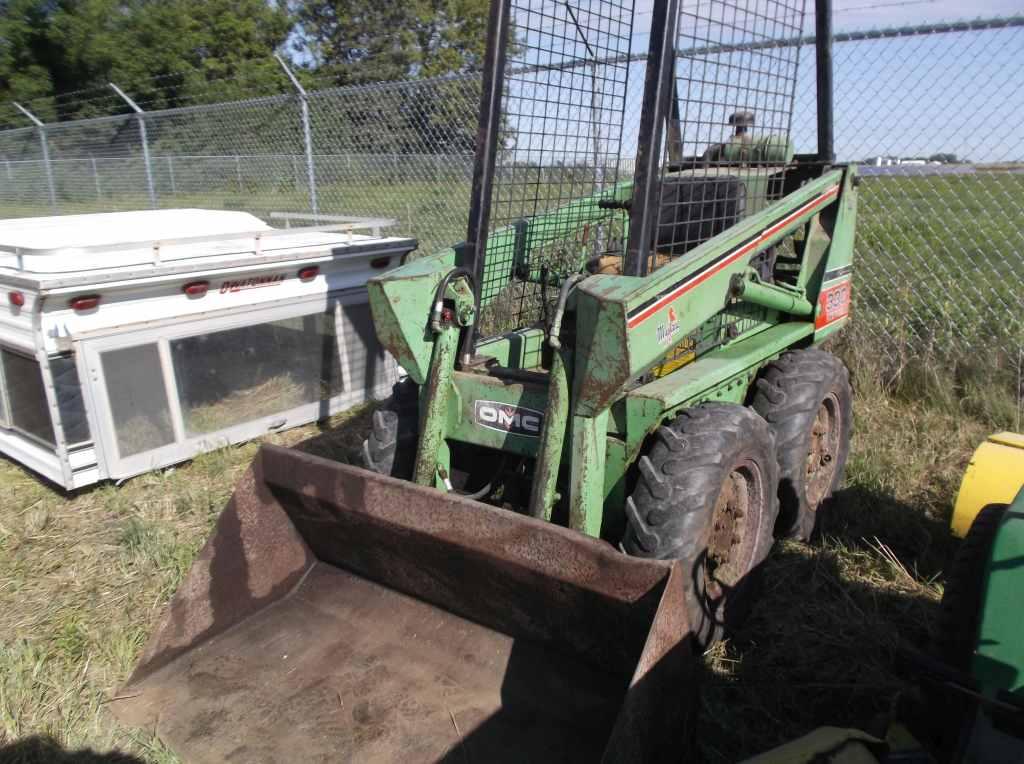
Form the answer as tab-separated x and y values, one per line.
133	340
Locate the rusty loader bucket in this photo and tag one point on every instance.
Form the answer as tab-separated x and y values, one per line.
337	615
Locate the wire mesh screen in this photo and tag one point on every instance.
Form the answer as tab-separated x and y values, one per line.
933	114
728	139
562	116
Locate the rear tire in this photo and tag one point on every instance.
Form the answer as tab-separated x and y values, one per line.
957	628
805	397
706	495
390	448
960	612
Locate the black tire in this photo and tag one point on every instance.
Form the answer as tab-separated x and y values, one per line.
390	448
961	601
706	494
806	398
957	629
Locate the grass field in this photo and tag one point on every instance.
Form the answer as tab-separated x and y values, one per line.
83	579
938	257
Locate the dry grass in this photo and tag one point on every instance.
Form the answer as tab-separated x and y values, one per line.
262	398
82	579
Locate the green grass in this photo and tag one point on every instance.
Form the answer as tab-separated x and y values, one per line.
938	257
938	261
83	579
434	212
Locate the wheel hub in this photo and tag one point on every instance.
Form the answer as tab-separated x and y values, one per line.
730	541
824	447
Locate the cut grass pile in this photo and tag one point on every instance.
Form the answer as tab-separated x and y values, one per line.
83	579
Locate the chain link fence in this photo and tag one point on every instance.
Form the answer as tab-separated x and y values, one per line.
932	114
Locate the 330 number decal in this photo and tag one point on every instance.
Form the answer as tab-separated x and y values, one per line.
835	304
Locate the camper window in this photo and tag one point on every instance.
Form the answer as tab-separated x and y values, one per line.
138	399
29	411
238	375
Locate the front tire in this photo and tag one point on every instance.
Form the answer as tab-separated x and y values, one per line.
706	495
806	398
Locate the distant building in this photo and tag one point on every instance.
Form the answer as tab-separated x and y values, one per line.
894	161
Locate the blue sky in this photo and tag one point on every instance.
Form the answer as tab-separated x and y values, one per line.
883	13
956	93
960	93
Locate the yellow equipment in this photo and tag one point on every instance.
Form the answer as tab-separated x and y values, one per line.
994	476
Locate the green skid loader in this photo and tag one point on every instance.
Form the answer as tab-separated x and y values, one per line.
613	387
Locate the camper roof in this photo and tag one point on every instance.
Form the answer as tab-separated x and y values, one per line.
161	240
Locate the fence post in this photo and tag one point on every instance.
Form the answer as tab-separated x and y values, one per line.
238	173
170	173
140	115
46	152
96	177
307	135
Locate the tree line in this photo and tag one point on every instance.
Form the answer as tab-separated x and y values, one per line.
59	54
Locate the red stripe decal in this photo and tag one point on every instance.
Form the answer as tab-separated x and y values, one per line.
686	286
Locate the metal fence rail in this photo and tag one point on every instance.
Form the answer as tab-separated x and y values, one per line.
940	246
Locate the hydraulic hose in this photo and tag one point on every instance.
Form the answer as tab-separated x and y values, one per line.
435	314
563	297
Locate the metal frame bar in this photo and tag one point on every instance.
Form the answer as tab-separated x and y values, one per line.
307	135
140	115
163	348
823	63
46	152
5	403
659	86
376	224
486	153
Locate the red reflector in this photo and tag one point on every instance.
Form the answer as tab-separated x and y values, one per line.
88	302
196	288
17	299
380	262
309	272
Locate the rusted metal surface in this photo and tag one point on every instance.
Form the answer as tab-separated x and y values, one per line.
341	615
434	403
737	517
552	439
824	447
